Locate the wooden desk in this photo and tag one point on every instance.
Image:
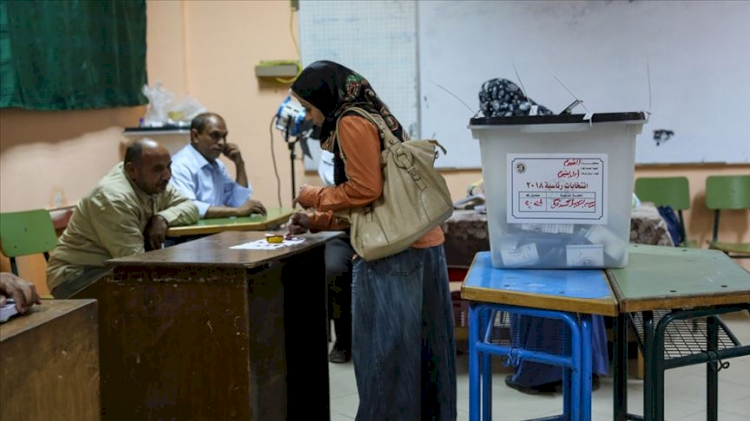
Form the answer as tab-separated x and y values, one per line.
49	363
274	217
683	284
200	331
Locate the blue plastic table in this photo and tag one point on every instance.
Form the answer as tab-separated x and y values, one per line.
570	296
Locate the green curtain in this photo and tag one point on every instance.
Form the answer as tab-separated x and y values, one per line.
72	54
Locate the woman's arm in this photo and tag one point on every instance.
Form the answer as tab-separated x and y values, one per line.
360	141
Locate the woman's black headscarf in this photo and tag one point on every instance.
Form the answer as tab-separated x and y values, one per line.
333	88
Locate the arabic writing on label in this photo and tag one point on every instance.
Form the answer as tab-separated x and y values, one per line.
556	202
553	187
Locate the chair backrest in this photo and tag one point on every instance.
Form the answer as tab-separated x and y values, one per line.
664	191
725	192
24	233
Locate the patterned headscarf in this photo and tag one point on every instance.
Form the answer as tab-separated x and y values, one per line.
503	98
333	89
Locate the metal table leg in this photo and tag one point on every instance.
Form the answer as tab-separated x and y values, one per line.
586	367
712	371
480	351
620	390
474	327
648	377
657	356
487	318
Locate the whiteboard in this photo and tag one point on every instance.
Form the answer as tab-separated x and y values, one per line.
697	55
375	38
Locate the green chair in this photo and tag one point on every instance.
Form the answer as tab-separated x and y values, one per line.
667	191
728	192
26	233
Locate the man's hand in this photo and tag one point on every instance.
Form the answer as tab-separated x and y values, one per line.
299	223
250	207
20	290
232	151
156	231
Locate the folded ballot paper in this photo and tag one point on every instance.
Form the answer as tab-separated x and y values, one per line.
7	311
265	245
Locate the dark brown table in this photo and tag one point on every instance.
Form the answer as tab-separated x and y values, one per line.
201	331
49	363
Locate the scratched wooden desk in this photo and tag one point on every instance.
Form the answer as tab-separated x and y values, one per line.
273	218
49	363
202	331
560	294
663	288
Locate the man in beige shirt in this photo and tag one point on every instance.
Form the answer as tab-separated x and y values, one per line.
126	213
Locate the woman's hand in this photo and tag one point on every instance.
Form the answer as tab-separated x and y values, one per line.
299	223
301	198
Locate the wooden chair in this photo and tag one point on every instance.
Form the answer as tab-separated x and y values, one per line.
26	233
728	192
667	191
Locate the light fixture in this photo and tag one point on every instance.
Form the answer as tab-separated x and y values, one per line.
290	120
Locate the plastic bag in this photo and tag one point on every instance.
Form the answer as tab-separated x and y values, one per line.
158	98
183	112
163	111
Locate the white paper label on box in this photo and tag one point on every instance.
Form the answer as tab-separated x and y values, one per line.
557	188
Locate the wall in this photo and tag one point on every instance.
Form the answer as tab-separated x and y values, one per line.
51	159
224	41
207	50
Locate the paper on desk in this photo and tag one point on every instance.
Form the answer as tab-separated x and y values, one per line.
7	311
265	245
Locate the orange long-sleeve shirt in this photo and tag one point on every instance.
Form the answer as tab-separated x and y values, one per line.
360	142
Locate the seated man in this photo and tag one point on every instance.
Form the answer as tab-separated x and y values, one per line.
203	178
126	213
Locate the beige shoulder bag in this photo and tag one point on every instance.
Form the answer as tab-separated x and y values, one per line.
415	196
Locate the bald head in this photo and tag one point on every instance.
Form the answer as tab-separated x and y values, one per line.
136	149
147	163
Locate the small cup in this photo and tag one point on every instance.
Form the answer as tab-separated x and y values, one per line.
275	238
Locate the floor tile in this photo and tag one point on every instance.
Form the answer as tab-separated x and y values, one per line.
740	407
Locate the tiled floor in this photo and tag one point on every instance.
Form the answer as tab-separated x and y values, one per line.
685	393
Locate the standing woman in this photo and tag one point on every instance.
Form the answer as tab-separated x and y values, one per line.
403	344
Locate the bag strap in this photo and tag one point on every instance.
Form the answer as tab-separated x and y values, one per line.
379	123
391	141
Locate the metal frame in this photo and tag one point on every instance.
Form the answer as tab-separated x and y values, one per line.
656	364
578	365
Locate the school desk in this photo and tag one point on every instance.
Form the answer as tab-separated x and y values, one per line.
203	331
659	292
273	217
49	363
